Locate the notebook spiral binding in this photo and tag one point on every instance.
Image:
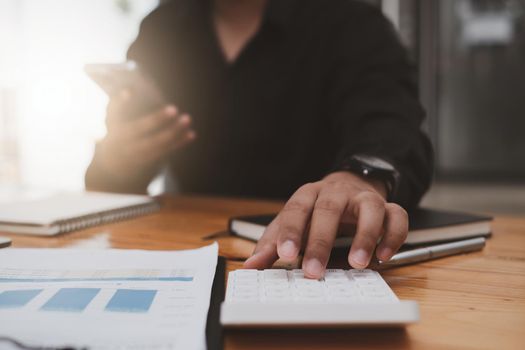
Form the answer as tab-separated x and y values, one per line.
106	217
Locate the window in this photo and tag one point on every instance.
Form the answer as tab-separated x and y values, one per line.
51	114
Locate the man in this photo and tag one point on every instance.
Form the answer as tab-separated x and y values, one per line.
274	95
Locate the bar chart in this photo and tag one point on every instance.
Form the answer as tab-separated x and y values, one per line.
77	299
105	299
72	291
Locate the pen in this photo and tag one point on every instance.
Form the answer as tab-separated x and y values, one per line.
433	252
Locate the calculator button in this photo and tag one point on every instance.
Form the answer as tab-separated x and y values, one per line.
245	288
245	293
339	282
362	272
309	294
369	283
360	275
344	299
333	274
246	273
297	274
307	282
277	289
247	282
309	299
374	294
277	299
277	296
245	299
280	275
275	283
341	289
335	271
246	276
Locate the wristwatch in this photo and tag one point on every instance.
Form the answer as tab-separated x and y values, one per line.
374	168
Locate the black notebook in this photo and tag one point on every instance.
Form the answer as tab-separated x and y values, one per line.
425	226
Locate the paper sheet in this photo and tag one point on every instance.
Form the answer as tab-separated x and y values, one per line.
106	298
64	206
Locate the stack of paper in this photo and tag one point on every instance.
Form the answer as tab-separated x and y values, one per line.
106	298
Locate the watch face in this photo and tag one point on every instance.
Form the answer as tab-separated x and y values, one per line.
374	162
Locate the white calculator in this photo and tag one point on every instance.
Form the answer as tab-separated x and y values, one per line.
271	298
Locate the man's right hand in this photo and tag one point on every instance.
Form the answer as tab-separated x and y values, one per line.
136	146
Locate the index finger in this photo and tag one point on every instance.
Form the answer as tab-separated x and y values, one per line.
294	220
324	224
265	253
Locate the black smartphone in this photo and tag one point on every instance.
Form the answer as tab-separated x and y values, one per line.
114	78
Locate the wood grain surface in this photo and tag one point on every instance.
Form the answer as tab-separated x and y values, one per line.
471	301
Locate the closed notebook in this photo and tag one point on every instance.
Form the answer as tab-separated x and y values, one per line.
425	226
64	212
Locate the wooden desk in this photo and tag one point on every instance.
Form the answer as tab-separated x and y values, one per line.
473	301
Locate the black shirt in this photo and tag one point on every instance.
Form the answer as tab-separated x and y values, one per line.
320	81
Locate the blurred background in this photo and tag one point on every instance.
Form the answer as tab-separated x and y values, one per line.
470	55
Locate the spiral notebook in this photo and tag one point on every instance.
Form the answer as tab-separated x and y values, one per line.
64	212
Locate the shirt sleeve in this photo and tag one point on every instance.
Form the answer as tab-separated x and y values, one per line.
162	36
375	107
149	47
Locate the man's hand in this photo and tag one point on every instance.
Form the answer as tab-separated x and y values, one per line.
312	216
138	143
135	146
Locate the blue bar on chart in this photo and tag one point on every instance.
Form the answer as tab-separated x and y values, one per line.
131	300
71	299
10	299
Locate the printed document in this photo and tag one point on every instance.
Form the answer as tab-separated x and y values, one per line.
103	299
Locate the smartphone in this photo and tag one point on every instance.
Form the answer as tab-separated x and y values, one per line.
114	78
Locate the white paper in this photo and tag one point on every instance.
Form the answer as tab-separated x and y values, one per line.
62	206
178	283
